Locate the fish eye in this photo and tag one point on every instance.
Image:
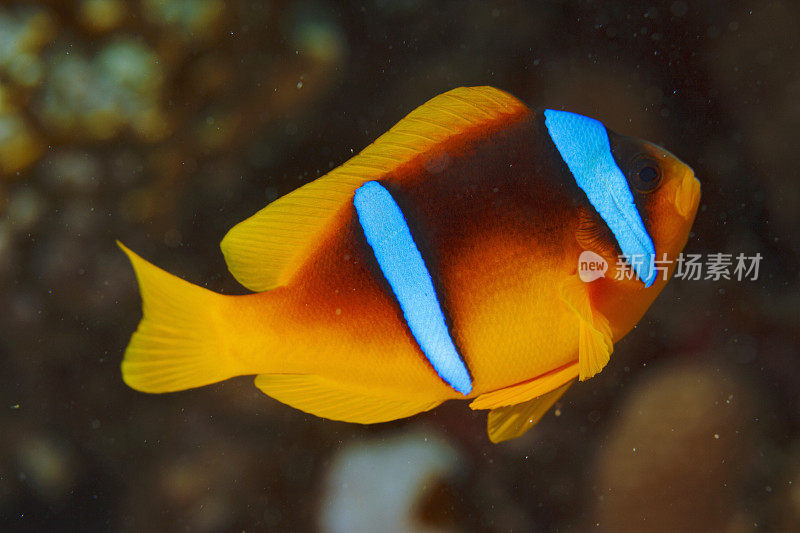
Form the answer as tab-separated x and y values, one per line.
645	173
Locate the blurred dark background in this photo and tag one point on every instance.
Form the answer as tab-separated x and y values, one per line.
165	122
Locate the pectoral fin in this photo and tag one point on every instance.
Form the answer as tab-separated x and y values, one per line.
510	422
327	398
595	343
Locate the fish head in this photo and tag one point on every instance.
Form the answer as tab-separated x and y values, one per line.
646	196
665	190
667	194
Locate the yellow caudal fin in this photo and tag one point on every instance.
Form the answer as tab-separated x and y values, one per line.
177	345
264	251
510	422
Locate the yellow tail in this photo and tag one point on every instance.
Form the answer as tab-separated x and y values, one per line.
178	344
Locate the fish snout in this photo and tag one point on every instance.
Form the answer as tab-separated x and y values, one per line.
687	196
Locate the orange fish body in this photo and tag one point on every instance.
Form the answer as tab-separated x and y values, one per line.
486	303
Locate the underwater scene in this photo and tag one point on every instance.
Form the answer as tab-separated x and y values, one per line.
399	266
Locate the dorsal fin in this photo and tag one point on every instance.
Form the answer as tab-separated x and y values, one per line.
266	249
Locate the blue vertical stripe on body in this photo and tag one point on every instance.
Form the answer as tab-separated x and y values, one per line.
583	144
402	265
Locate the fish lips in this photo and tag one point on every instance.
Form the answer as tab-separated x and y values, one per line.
687	196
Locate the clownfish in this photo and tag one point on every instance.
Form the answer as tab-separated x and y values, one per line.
440	263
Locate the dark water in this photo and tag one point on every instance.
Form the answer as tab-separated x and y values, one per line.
163	123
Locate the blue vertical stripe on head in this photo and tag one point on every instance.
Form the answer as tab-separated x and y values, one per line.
403	267
584	147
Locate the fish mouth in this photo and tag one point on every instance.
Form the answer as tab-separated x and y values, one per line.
687	197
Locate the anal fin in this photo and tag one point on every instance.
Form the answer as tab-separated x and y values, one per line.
510	422
595	343
327	398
